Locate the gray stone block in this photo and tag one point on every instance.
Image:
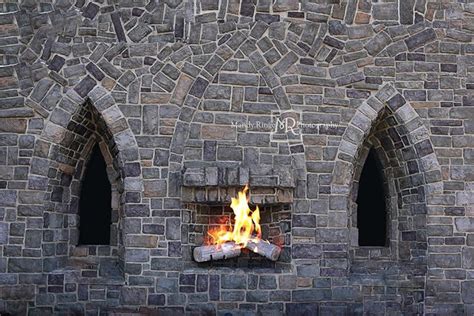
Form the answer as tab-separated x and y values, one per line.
41	89
156	299
109	69
137	255
301	308
207	308
90	10
306	251
301	220
233	281
257	296
444	261
133	296
344	70
33	238
233	296
211	176
311	295
139	32
198	88
385	11
464	224
267	282
420	39
285	63
28	265
137	210
378	43
4	233
115	16
30	210
155	188
468	257
17	292
127	78
333	42
173	228
467	292
164	82
8	197
85	86
167	285
258	29
240	80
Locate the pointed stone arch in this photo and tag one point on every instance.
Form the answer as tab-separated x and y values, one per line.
413	176
60	153
365	117
191	88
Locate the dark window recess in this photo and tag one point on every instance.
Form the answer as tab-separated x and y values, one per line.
95	202
371	207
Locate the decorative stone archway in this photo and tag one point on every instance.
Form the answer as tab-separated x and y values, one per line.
59	155
414	176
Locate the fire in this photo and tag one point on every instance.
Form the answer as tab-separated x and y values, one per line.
226	240
246	226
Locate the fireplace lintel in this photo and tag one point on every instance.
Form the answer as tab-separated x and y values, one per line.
216	184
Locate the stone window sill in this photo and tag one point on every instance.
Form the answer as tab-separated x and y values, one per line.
373	253
81	251
95	264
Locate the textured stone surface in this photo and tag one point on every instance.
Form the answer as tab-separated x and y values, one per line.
139	32
420	38
181	97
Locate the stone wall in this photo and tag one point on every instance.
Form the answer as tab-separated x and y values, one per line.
173	91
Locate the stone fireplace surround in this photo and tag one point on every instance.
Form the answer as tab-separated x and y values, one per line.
207	194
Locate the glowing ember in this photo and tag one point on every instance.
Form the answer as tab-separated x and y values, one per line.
246	227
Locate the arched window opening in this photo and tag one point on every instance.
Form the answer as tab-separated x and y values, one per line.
95	202
371	204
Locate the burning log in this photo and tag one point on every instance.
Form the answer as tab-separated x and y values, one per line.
215	252
231	249
264	248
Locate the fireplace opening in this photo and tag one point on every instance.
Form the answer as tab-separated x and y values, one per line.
275	227
371	204
95	202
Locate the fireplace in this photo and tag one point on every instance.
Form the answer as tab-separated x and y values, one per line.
209	193
275	225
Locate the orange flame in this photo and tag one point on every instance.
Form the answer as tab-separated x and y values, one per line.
247	223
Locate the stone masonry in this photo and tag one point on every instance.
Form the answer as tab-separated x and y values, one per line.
180	96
